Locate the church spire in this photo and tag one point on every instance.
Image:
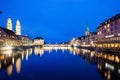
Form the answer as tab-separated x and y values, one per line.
9	24
18	28
87	30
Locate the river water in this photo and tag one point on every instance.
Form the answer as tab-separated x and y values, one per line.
58	63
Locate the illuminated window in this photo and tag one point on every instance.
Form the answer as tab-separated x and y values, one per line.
0	31
105	26
4	35
119	20
108	30
117	38
108	25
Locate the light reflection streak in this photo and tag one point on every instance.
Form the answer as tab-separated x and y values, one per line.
111	67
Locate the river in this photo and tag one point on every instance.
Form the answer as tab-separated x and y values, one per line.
58	63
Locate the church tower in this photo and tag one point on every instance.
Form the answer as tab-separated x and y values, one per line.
9	24
18	28
87	30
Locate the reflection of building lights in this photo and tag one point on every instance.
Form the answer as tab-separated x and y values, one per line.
18	65
22	56
13	60
109	66
99	67
0	65
30	51
49	51
108	76
9	70
27	56
117	59
4	62
92	54
74	53
105	74
118	71
39	50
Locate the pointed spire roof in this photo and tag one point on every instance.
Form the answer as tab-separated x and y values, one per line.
87	27
87	30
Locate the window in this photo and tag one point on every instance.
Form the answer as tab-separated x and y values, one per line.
115	22
4	35
111	24
111	29
119	20
115	27
105	26
104	31
0	31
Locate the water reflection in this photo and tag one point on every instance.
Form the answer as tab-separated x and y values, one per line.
18	65
108	64
40	50
13	57
9	70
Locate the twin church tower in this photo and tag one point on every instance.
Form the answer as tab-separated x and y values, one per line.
18	26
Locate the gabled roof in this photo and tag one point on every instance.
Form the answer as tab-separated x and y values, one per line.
109	20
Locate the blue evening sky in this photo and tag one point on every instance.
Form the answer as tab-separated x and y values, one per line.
57	20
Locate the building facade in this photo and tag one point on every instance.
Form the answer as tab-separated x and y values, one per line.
26	41
108	33
8	38
39	41
89	40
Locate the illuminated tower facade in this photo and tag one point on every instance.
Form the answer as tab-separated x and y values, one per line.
9	24
18	28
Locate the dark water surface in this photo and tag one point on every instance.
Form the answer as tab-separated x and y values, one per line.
58	64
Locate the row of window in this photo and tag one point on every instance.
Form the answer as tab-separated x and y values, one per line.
103	31
14	37
110	39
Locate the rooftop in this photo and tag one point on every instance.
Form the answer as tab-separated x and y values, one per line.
38	38
10	32
117	16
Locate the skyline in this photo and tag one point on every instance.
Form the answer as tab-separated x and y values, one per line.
57	21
